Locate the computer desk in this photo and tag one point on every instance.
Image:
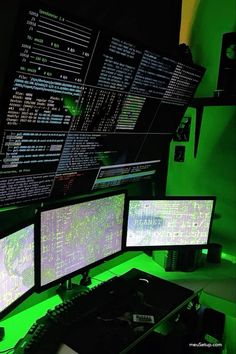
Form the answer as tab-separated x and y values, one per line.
203	280
113	328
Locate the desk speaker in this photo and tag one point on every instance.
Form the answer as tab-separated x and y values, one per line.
183	259
227	70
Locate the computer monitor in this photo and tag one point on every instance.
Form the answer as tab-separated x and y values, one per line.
169	222
78	98
17	267
74	237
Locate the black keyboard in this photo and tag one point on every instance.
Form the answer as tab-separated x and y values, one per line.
102	307
44	335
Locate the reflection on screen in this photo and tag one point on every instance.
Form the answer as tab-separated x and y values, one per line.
168	222
16	265
78	235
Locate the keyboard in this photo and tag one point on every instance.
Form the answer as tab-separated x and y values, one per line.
144	298
44	335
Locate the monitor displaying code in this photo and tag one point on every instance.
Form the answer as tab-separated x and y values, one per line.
78	98
78	235
16	265
169	222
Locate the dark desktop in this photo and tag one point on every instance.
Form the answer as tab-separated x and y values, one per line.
71	239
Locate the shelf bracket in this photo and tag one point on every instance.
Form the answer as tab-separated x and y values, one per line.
199	114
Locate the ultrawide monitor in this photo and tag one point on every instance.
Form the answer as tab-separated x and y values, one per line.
169	222
76	236
16	267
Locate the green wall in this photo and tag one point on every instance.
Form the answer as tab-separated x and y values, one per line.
211	20
213	171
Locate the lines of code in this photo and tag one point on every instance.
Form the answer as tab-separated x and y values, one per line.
29	151
84	151
153	75
16	265
31	108
130	112
56	47
119	66
81	152
98	110
67	79
183	83
169	222
25	188
76	236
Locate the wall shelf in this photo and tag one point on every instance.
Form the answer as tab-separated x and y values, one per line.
213	101
199	103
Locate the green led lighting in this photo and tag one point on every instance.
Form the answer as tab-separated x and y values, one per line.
104	158
228	257
73	108
224	255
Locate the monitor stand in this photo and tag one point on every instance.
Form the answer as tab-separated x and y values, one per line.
68	290
86	279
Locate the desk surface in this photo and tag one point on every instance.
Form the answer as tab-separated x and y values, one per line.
111	326
204	278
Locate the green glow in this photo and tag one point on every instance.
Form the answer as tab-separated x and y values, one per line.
231	52
8	208
104	158
224	255
205	46
17	326
228	257
73	108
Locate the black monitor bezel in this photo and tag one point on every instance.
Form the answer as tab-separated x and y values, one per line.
39	286
24	296
170	247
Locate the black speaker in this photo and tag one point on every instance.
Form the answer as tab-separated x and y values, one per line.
214	253
182	259
227	71
212	331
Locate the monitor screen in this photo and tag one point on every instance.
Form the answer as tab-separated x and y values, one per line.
79	235
16	267
78	98
125	173
169	222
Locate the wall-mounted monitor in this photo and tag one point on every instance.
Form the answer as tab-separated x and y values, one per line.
17	266
170	222
78	98
75	237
